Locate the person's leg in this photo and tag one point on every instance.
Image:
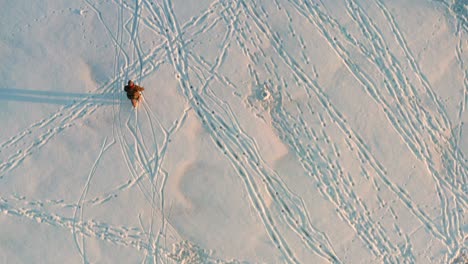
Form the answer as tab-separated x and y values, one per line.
138	97
134	102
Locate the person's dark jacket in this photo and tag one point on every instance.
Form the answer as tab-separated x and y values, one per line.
133	91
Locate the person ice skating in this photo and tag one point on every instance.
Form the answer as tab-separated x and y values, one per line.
133	92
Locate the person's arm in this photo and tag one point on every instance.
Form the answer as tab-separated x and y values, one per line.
140	88
126	88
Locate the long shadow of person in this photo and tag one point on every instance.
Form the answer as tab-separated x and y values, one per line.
54	97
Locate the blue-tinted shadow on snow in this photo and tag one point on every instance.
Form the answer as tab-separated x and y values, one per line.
54	97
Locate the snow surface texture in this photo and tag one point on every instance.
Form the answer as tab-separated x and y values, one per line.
271	131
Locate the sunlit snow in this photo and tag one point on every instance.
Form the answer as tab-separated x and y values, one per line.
271	131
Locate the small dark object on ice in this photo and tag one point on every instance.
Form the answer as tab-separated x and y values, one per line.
133	92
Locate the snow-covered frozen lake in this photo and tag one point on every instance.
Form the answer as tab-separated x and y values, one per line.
271	131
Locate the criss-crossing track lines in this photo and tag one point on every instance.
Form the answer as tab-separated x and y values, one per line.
277	45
